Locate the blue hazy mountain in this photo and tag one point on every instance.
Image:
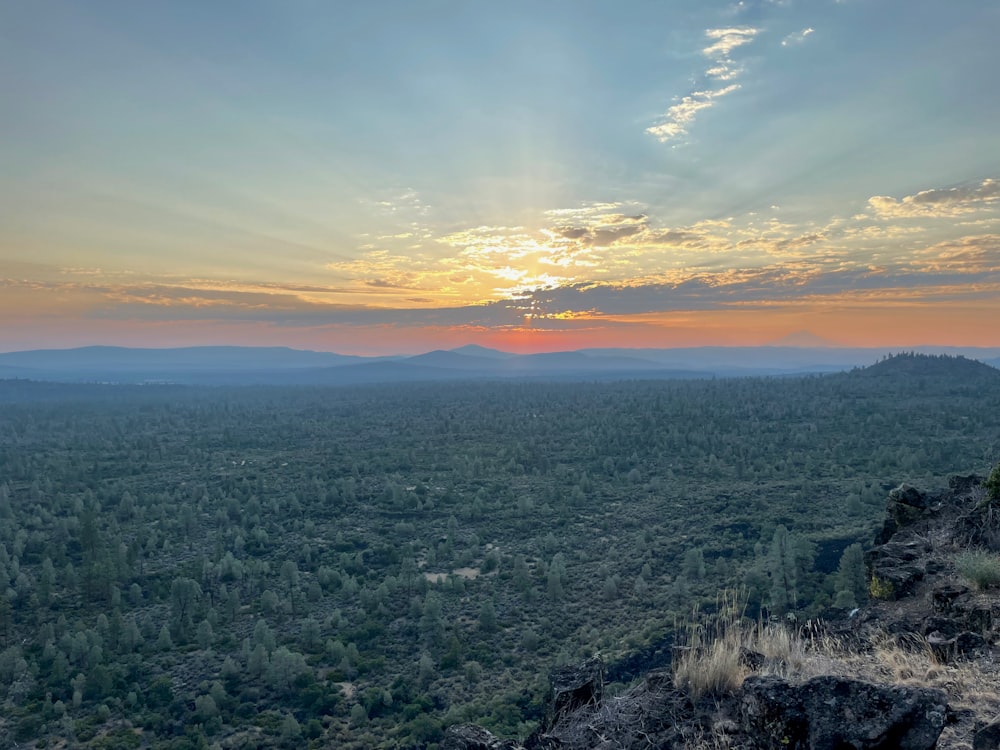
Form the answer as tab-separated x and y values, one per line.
475	350
235	365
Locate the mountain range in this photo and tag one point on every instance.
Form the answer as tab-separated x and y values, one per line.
234	365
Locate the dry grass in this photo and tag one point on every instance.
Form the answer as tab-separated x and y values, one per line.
711	665
710	657
718	665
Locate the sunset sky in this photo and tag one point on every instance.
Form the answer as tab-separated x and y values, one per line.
398	176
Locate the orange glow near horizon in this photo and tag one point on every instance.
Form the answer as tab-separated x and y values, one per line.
868	326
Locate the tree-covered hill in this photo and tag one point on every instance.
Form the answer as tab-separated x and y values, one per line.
960	370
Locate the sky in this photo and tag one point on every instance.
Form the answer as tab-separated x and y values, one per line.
396	176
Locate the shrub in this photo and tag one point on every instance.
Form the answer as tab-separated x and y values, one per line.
980	567
879	589
993	483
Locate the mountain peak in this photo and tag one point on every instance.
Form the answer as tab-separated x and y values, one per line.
804	340
475	350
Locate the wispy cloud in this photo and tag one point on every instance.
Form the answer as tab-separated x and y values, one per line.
676	120
681	115
797	37
726	40
939	202
401	201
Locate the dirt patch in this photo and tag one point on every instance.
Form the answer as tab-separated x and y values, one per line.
348	689
466	573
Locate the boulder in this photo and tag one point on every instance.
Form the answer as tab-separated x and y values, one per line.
988	738
963	485
832	713
904	506
946	649
945	597
574	687
897	566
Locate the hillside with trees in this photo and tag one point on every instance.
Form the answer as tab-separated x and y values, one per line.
186	567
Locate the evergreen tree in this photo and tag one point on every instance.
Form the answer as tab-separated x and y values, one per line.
694	564
851	581
487	617
782	570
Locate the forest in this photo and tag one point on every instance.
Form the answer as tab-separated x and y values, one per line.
198	567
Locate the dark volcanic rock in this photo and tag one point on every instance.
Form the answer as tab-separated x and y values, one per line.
574	687
963	485
945	597
988	738
946	649
906	504
832	713
898	565
576	690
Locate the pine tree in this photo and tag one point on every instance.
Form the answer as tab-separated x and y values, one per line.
851	582
782	569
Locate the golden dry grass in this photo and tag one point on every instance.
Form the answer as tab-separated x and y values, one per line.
711	665
717	665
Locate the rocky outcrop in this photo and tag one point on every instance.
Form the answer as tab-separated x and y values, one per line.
897	566
915	586
829	713
575	687
904	506
653	713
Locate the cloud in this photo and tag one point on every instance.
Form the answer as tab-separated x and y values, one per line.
726	40
578	265
978	255
798	37
675	121
382	269
402	201
650	282
940	202
601	229
682	114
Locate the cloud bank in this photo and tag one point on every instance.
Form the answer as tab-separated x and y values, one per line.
946	202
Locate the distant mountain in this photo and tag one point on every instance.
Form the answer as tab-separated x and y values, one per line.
806	339
454	360
183	365
233	365
186	358
474	350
